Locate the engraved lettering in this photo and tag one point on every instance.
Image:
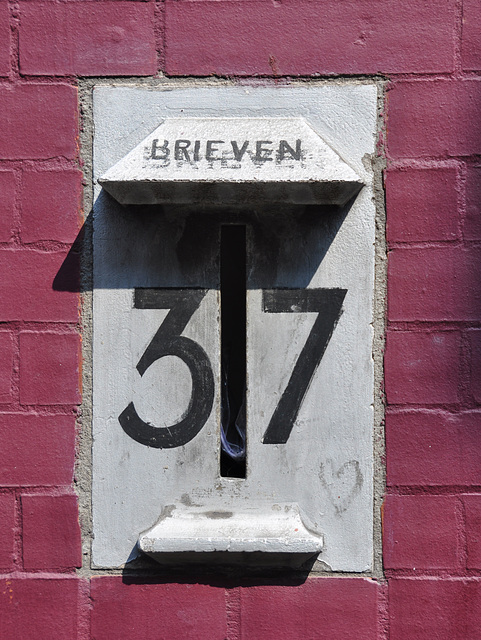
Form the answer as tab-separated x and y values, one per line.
285	148
190	150
164	149
196	151
262	153
210	149
180	150
239	153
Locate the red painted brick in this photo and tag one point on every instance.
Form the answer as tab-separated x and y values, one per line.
434	284
4	39
38	121
38	608
422	368
433	448
99	38
472	224
36	450
302	37
27	287
472	506
340	608
51	532
51	205
49	368
471	44
6	365
434	608
7	523
422	205
7	204
420	532
475	345
145	610
472	602
434	118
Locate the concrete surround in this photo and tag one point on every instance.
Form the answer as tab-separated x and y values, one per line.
325	469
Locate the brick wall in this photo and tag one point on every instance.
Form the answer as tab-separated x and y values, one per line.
431	54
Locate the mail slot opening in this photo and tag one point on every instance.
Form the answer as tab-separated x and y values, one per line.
233	454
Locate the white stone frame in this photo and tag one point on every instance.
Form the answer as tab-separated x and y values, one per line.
325	471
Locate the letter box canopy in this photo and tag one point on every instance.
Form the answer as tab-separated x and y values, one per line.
232	161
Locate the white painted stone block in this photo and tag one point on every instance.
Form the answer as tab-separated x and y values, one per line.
310	278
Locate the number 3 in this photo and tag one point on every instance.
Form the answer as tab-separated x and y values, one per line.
168	342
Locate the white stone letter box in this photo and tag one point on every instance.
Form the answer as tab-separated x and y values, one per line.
232	339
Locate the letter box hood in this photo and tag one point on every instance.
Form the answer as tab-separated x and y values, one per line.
232	160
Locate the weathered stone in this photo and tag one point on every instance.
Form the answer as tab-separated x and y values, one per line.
308	300
223	159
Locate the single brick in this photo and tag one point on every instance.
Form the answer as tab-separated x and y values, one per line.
475	345
38	121
7	204
131	609
420	532
472	224
434	284
51	205
6	365
422	367
321	608
4	39
472	602
422	205
36	450
88	39
299	37
434	608
49	368
433	118
51	532
40	608
38	286
470	43
433	448
472	506
7	536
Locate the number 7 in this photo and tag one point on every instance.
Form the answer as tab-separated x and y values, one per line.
328	305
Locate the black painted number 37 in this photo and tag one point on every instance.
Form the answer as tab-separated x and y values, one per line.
168	341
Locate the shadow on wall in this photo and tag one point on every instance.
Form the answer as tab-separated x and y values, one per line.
224	570
179	246
176	246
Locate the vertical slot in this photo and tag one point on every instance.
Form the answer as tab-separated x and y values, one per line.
233	350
